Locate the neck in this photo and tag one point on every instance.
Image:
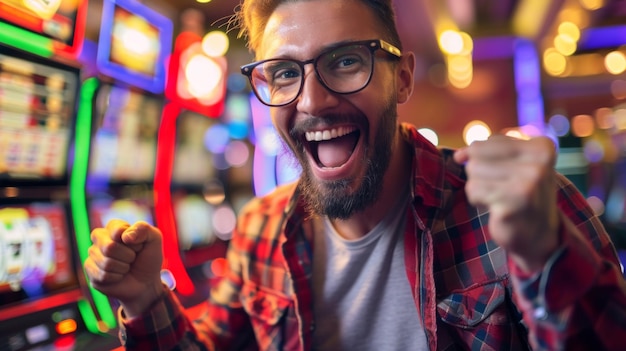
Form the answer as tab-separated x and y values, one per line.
395	180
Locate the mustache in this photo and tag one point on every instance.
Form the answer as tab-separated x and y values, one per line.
297	129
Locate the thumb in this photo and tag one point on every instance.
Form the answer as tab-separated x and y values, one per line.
138	235
461	156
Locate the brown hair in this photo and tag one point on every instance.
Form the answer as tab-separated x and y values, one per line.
252	15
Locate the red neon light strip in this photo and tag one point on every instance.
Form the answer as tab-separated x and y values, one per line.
165	219
79	34
40	305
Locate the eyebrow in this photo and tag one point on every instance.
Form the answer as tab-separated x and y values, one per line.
324	48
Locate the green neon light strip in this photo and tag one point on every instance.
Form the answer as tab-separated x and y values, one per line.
78	195
91	322
25	40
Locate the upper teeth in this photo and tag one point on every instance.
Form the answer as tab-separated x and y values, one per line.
328	134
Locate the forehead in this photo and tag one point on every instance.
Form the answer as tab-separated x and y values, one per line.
301	29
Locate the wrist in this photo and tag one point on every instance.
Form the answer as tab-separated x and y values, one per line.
535	258
141	304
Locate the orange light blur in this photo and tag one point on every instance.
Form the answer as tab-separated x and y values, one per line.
66	326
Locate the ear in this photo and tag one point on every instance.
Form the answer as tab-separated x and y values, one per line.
406	69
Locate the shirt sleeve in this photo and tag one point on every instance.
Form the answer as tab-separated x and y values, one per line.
578	300
220	323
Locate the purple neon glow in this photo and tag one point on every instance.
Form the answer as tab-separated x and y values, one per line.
604	37
153	83
527	72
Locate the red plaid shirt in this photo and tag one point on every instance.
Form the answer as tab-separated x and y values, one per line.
461	281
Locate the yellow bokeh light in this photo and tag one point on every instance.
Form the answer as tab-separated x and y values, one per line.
554	62
475	131
570	29
203	75
215	43
615	62
451	42
565	44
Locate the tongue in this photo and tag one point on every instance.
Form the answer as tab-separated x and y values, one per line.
336	152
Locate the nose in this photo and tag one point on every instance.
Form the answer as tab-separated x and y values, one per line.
314	97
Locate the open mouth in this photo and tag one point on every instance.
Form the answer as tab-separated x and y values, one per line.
332	148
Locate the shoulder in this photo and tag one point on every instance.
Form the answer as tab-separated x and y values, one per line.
268	210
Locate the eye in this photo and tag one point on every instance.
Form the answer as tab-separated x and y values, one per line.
345	60
282	72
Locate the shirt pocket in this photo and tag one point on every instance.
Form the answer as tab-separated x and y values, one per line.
268	313
484	303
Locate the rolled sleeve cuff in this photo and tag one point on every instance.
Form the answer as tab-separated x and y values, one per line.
163	325
567	275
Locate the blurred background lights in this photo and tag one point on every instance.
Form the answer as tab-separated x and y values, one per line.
236	83
219	266
554	62
451	42
591	4
604	118
215	43
476	131
203	75
224	221
596	205
620	118
268	141
430	135
615	62
216	138
214	192
237	153
560	125
565	44
569	29
593	150
618	89
582	126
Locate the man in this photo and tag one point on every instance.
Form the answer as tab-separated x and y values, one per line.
385	242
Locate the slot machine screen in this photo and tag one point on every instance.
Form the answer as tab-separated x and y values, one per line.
133	44
35	253
54	19
125	138
131	211
37	106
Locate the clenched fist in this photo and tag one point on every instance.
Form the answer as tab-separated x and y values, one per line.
515	180
124	263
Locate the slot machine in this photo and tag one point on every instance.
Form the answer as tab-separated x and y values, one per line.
44	301
116	130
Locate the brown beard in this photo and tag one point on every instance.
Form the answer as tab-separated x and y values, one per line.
335	198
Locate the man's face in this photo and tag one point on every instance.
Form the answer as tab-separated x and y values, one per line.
342	173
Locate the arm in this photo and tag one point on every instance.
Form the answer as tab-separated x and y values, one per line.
564	268
222	324
578	300
124	263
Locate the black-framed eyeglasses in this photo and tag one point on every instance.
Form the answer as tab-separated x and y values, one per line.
344	69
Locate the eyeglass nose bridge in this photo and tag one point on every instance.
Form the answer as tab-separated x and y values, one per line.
317	74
